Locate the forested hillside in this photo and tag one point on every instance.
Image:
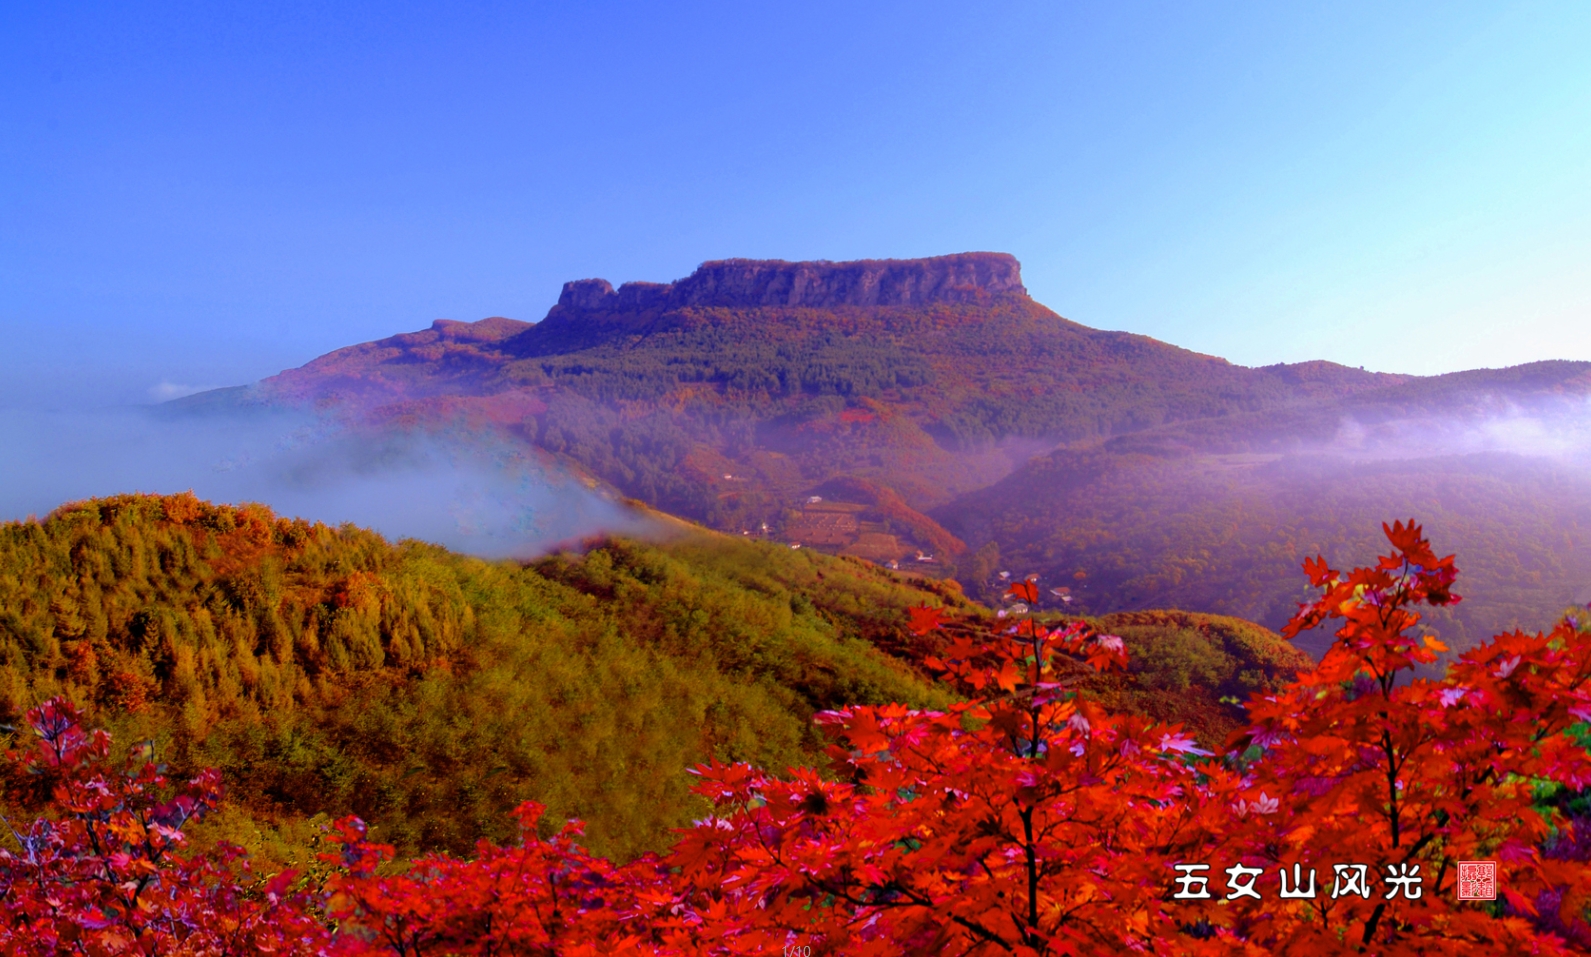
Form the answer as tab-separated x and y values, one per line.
326	671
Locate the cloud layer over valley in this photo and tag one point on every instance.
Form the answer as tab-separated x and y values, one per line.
471	492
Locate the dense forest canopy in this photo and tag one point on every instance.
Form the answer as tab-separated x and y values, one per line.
325	670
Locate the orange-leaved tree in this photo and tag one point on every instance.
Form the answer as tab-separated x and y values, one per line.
537	897
1382	782
1024	821
106	872
1027	822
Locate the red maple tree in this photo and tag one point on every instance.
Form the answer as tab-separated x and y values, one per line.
107	872
1362	762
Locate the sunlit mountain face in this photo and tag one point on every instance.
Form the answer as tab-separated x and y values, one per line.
930	416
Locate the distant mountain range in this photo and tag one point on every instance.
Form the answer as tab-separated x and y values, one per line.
929	413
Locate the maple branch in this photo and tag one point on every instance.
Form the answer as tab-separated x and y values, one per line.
1419	846
1370	925
1392	781
1026	815
1441	872
971	925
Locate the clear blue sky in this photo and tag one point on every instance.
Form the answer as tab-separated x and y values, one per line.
197	194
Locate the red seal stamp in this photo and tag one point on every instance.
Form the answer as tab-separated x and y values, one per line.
1477	880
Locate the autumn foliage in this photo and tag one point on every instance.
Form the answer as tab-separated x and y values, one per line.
1022	820
106	872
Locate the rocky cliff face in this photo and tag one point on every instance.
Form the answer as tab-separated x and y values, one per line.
749	283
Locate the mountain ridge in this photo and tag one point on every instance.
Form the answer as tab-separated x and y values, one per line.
746	393
749	283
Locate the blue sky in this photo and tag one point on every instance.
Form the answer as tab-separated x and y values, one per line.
202	194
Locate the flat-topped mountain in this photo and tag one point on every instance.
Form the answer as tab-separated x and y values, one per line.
924	379
750	283
893	409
